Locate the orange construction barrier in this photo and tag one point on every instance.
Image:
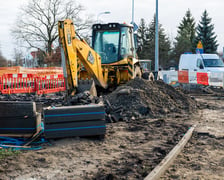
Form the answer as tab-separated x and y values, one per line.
38	71
42	71
51	84
202	78
30	83
183	77
0	84
17	83
10	70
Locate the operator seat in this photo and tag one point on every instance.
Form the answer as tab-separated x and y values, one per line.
110	51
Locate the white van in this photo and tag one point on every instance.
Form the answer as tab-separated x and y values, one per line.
201	62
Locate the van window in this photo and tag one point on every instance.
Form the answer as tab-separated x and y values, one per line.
213	63
199	63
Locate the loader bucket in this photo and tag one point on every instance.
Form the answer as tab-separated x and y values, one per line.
87	85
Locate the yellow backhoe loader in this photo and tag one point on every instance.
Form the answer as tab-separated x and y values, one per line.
112	60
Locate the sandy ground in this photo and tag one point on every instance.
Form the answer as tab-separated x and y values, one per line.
203	156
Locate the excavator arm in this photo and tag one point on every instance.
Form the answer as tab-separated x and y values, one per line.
80	120
76	49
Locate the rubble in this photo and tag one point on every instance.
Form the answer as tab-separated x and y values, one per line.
57	99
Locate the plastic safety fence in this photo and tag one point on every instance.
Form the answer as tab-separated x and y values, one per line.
17	83
183	77
202	78
83	120
30	83
24	70
215	79
50	84
169	76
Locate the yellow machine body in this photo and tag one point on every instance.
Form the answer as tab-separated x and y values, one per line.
107	67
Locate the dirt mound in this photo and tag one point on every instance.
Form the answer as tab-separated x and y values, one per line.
141	98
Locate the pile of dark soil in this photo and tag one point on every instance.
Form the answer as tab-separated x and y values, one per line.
140	98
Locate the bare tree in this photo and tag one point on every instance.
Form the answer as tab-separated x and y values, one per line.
37	23
18	57
3	61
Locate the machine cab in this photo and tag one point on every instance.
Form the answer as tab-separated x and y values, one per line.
113	42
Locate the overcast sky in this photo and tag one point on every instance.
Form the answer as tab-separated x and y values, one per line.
171	13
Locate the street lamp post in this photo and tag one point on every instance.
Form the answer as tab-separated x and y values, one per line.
133	9
106	12
157	42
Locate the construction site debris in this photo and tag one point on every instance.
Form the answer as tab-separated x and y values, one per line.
83	120
18	119
140	98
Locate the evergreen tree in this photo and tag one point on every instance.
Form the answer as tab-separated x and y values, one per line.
142	37
185	36
206	35
142	31
148	46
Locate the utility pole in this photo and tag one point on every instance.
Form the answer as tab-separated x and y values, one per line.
223	53
157	42
133	11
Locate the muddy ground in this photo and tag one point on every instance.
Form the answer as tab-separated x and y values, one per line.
133	146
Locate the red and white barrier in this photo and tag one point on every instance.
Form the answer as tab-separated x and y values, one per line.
30	83
183	77
17	83
168	76
51	84
216	79
202	78
194	77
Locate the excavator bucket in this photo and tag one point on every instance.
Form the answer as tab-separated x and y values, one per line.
87	85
